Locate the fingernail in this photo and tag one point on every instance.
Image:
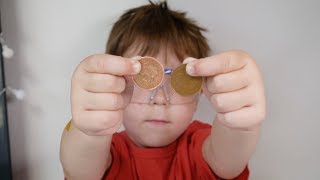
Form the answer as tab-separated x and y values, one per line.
188	59
190	69
136	66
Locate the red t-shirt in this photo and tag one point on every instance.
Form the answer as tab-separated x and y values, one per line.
181	160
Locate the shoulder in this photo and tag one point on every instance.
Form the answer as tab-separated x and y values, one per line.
120	147
193	137
196	130
120	154
189	150
196	125
120	141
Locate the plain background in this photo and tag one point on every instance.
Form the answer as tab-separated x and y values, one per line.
51	37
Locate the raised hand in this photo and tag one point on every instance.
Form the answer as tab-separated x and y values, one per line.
96	101
234	86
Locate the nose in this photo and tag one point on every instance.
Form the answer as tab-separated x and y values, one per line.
159	96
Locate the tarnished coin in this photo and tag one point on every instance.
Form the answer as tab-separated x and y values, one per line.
184	84
151	74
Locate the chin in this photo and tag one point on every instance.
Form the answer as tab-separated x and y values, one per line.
157	140
152	139
156	143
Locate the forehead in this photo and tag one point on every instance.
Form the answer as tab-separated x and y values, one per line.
165	56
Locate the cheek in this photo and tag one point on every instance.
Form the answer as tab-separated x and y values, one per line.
174	113
182	113
132	114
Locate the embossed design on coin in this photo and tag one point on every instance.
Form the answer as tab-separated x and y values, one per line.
151	74
184	84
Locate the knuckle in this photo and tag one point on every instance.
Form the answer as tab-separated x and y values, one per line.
91	57
76	114
210	84
111	82
261	116
128	63
84	62
118	115
89	133
128	66
217	83
245	78
227	120
116	101
88	60
104	120
242	55
227	63
112	130
218	102
75	75
96	62
73	79
111	118
239	52
77	120
100	64
121	84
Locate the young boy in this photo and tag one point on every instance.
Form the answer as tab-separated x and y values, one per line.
161	141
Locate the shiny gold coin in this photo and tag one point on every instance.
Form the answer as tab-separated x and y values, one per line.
184	84
151	74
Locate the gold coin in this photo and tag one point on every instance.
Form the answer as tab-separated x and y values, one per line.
183	83
68	126
151	74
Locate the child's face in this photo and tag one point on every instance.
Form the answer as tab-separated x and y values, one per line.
157	124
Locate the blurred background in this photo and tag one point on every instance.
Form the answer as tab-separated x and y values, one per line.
50	38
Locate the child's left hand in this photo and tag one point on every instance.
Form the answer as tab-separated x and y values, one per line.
234	86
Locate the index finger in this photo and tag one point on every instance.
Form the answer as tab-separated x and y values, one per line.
218	64
110	64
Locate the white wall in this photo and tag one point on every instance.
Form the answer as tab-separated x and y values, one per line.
51	37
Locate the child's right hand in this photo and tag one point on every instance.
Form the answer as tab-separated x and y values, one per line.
96	101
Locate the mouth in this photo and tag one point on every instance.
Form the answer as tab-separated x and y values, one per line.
158	121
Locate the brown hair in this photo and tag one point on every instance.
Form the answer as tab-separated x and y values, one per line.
149	27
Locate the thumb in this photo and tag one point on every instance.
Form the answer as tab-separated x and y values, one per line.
188	59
